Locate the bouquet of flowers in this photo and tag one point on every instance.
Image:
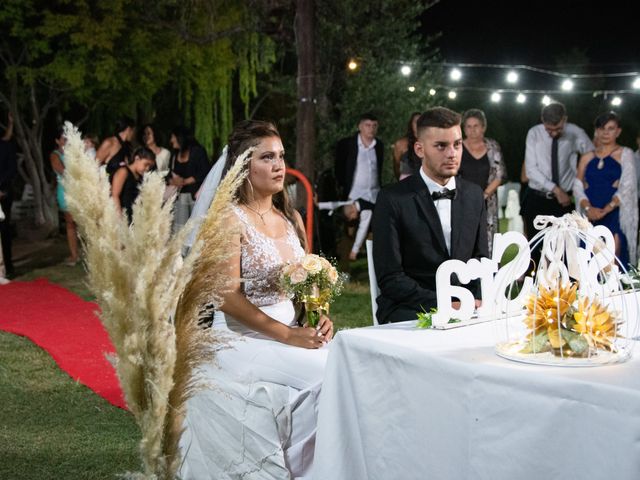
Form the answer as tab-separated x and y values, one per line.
314	281
561	322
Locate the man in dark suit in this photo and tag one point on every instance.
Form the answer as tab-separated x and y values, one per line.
359	157
358	170
426	219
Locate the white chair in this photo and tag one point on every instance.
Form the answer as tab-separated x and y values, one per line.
373	282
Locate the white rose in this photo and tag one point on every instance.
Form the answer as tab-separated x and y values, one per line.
299	275
332	274
312	264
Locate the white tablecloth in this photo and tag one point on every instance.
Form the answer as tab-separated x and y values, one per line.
401	403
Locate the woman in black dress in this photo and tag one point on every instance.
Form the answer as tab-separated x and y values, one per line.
189	167
126	180
482	164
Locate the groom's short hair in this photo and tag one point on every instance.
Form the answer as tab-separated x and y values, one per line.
438	117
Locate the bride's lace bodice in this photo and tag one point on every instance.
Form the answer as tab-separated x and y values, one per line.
261	261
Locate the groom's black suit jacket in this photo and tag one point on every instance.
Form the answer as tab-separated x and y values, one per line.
409	246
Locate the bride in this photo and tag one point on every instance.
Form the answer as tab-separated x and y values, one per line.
257	417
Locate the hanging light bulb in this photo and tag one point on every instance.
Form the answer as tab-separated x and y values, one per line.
405	70
352	65
496	97
512	77
452	94
521	98
546	100
636	83
567	85
616	101
455	74
432	91
411	88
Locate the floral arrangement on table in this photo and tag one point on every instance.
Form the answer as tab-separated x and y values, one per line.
561	322
313	281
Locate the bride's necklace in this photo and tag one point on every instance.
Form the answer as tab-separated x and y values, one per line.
261	215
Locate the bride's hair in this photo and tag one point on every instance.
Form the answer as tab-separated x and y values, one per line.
247	134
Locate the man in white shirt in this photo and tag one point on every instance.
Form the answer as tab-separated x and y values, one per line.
358	172
551	157
426	219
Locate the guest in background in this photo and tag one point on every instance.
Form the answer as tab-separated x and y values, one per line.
8	172
90	144
405	161
57	163
636	157
189	167
606	187
358	168
483	165
550	159
126	181
115	151
150	139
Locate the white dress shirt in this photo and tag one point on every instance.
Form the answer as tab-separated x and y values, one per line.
443	205
365	178
538	156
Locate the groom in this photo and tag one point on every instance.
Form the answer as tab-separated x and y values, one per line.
426	219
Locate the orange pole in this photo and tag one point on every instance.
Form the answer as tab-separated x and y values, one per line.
307	186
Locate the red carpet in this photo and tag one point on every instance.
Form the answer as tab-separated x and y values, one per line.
67	327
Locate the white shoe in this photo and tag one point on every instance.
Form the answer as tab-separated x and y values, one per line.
4	281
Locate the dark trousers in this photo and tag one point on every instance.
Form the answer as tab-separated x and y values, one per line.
5	233
533	206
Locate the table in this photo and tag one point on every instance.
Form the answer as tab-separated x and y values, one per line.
404	403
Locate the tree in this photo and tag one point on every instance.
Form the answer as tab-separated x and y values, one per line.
82	58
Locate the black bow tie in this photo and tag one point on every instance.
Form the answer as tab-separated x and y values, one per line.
445	193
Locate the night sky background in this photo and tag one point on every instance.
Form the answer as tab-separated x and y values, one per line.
562	36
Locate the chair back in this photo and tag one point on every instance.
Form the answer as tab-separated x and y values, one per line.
373	281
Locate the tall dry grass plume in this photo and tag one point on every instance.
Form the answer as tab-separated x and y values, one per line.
149	296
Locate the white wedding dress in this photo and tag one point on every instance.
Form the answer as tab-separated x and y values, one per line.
256	419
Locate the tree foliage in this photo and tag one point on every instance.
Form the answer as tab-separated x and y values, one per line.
82	59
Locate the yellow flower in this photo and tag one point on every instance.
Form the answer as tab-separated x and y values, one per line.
311	263
595	323
544	309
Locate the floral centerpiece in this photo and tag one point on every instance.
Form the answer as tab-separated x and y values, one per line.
576	309
313	281
561	322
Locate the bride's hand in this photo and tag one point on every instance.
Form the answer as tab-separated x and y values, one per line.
305	337
325	327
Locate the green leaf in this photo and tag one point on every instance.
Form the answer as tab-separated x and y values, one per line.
576	342
539	343
424	318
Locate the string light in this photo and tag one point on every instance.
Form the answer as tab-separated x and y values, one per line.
452	94
496	97
636	83
432	91
546	100
455	75
353	65
411	88
567	85
616	101
512	77
405	70
521	98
